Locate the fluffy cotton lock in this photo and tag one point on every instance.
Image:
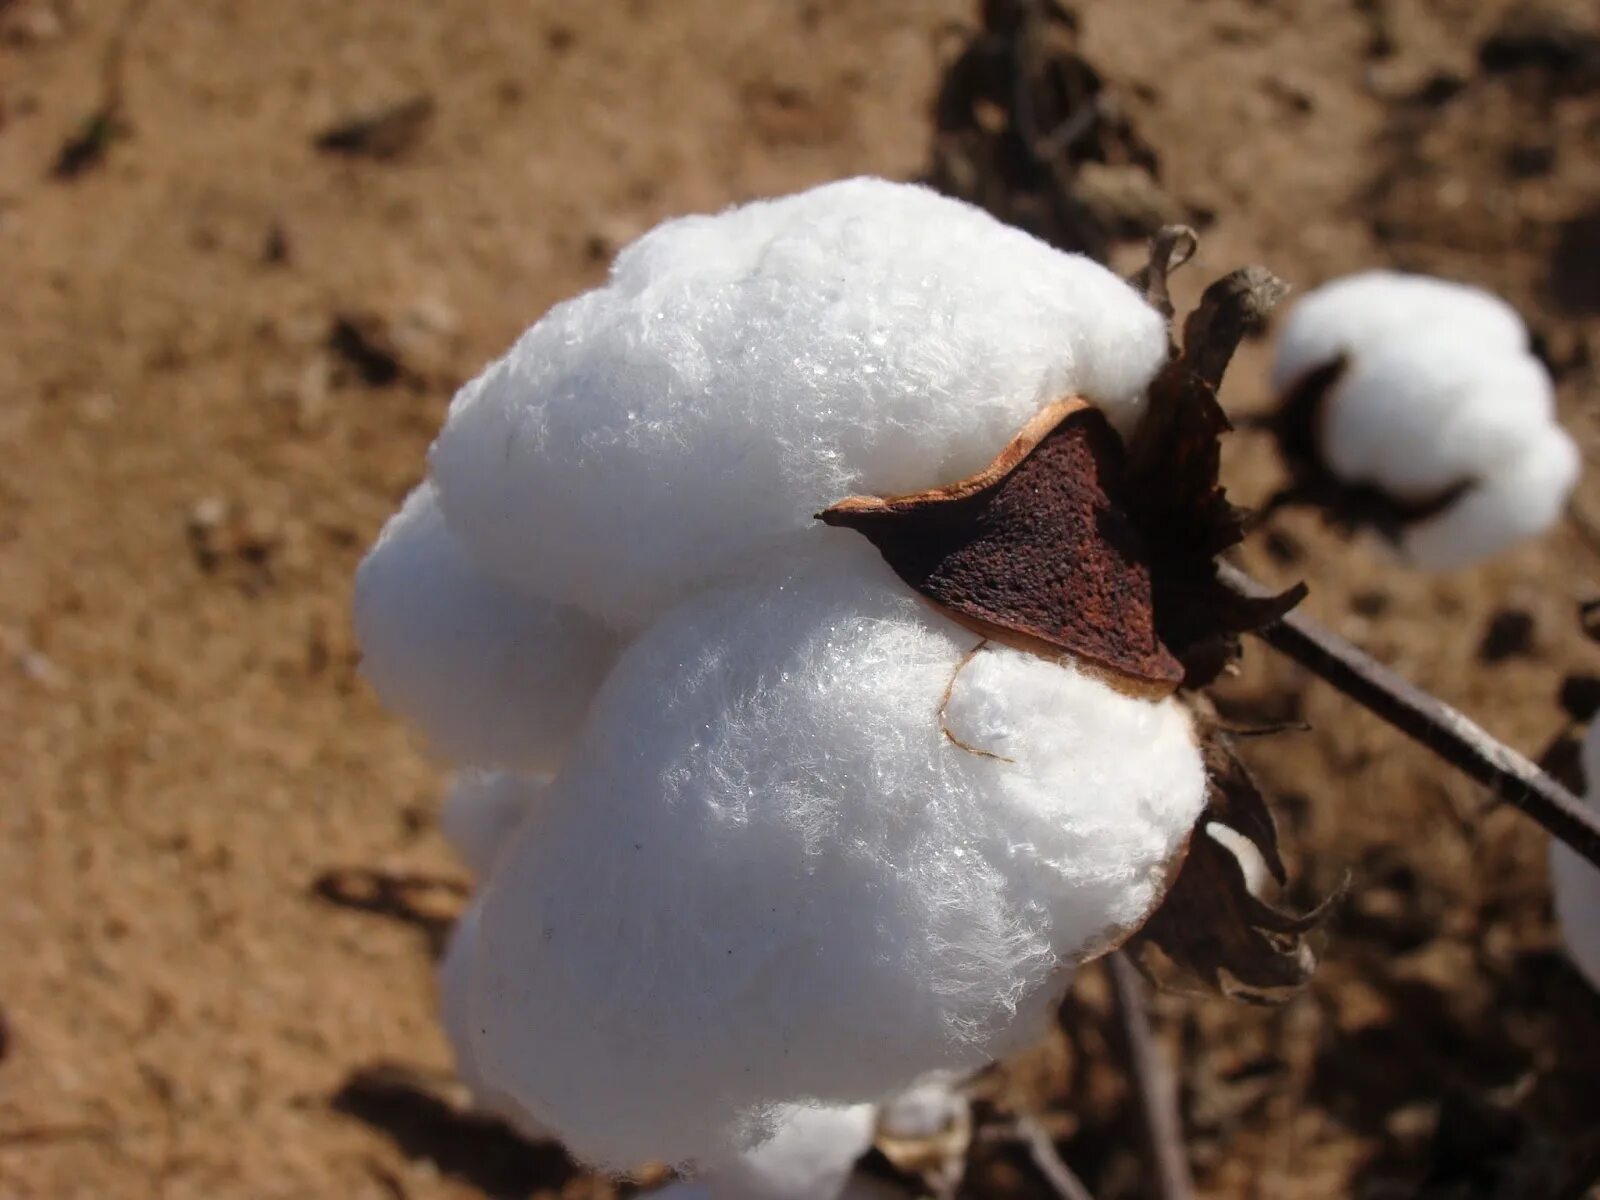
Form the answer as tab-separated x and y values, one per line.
767	877
491	676
1575	882
739	372
1438	393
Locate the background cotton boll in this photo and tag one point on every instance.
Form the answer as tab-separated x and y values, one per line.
1575	882
765	876
454	981
1422	412
489	676
482	808
737	373
1521	499
1349	315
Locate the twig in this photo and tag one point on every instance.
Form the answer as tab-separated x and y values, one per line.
1427	719
1048	1161
1152	1081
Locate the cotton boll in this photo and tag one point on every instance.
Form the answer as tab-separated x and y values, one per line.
766	876
491	677
1519	500
1576	883
739	372
1350	315
455	976
1437	402
1422	412
482	808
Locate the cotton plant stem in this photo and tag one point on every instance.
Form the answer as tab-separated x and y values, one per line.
1153	1083
1427	719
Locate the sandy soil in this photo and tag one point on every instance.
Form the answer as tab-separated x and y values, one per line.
224	349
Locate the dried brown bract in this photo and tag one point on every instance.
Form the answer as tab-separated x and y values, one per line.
1212	926
1071	544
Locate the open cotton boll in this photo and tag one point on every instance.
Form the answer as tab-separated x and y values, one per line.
490	676
1350	315
1519	500
454	982
1419	414
766	876
482	808
1424	415
1575	882
739	372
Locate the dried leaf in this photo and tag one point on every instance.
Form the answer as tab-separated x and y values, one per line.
1020	110
1035	551
384	134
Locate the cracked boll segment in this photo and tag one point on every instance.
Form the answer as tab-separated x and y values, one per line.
490	676
1575	883
739	372
767	877
1438	394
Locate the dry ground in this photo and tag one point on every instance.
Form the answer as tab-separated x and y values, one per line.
223	351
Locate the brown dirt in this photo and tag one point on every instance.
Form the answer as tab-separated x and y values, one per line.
223	351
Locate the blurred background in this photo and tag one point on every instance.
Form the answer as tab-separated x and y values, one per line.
247	252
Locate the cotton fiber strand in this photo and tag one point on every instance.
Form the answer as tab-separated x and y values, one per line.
739	372
490	676
766	877
1575	881
1438	393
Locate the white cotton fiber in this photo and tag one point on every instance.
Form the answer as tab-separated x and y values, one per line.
1252	863
1419	413
1350	315
766	877
1521	499
1575	882
491	677
455	1015
482	808
1438	390
739	372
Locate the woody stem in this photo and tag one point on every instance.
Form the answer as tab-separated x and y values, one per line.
1427	719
